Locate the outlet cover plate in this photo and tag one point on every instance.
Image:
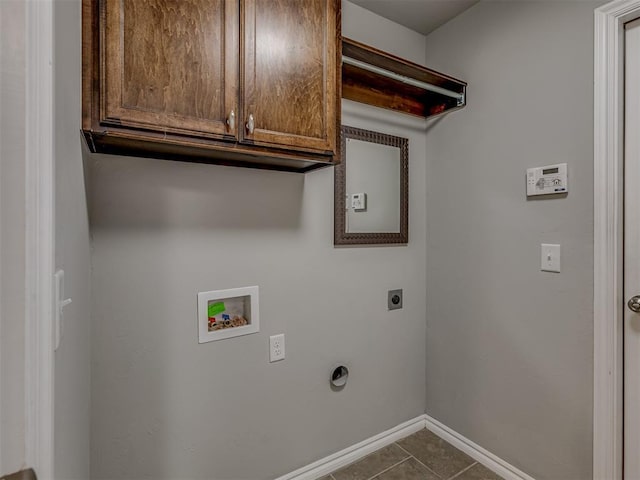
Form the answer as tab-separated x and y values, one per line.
394	299
276	347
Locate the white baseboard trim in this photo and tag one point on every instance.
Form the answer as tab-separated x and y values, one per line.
355	452
351	454
475	451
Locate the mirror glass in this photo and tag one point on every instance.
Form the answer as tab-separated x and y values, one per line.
371	188
373	171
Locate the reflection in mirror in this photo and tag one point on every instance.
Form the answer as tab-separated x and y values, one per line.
371	189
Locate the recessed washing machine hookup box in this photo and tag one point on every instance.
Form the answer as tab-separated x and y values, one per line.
227	313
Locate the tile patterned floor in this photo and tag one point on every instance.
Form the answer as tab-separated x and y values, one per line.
421	456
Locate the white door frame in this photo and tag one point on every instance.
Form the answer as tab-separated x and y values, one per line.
39	267
608	236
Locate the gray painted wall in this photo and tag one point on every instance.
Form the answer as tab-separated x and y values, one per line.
12	234
164	407
509	348
72	367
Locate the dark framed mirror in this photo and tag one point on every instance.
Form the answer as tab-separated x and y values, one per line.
371	201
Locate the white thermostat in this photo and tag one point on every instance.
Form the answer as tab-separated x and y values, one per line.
359	201
548	180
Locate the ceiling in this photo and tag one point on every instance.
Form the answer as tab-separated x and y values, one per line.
423	16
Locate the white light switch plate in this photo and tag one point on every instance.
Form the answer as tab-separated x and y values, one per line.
550	258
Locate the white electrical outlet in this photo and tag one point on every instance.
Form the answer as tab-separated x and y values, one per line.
276	350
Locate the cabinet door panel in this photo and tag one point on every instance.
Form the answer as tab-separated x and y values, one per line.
290	73
170	65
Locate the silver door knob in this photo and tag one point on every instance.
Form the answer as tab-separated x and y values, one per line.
634	303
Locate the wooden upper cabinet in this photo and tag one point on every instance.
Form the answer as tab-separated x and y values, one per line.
170	65
184	80
289	79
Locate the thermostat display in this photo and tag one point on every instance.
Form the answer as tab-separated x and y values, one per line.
548	180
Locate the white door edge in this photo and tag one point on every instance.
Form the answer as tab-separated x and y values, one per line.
39	268
631	465
608	239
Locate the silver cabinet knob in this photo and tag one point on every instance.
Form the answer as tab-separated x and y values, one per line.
250	124
231	121
634	303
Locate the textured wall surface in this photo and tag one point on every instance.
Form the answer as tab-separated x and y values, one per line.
73	359
509	348
12	234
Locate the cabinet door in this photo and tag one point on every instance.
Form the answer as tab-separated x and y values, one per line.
170	65
290	73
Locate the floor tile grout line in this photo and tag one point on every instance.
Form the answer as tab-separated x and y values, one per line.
408	455
414	457
403	449
463	470
432	471
389	468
